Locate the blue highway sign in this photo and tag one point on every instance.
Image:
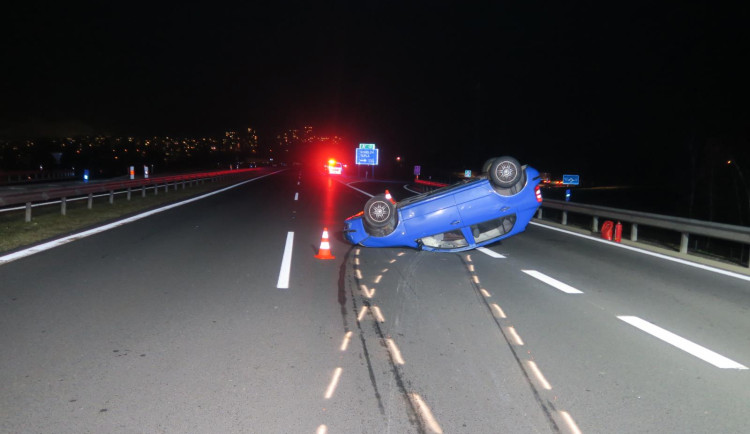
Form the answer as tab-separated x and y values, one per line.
367	157
571	179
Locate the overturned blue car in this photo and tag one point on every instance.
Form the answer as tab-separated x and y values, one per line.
462	216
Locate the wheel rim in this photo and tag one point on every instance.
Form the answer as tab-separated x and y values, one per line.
379	212
506	171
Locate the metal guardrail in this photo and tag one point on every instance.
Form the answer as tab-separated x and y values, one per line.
19	176
64	194
684	226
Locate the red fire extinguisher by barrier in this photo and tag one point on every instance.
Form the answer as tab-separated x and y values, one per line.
607	230
618	232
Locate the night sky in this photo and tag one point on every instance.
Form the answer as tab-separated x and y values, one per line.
617	87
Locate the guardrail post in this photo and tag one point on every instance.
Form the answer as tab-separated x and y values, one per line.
183	184
595	224
634	232
128	193
684	238
64	206
28	212
91	200
539	213
166	187
143	190
111	197
565	218
156	189
175	186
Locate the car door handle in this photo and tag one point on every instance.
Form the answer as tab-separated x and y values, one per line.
455	222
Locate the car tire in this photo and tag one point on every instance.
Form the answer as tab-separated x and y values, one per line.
379	212
505	172
487	164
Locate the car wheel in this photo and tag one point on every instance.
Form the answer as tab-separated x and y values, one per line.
486	165
379	211
505	172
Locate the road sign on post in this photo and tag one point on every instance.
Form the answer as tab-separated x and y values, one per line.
367	157
571	179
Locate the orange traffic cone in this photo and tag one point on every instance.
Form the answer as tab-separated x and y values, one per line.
389	197
325	247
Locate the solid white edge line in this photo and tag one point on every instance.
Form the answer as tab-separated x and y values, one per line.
65	240
646	252
286	262
355	188
552	282
406	187
489	252
689	347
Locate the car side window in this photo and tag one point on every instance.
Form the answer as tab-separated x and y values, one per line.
493	228
447	240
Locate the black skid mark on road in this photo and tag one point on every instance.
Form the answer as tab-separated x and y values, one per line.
412	413
342	289
345	278
537	396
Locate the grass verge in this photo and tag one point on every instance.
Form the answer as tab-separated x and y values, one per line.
47	222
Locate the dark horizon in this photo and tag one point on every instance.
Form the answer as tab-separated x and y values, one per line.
590	88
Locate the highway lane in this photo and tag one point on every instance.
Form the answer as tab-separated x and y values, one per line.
612	376
175	323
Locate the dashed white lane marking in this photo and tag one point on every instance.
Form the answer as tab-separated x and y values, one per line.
538	374
65	240
395	352
362	313
426	414
334	383
378	314
489	252
571	423
296	196
685	345
552	282
345	342
516	338
498	311
286	262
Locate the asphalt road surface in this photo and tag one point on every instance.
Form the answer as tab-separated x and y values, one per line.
216	317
